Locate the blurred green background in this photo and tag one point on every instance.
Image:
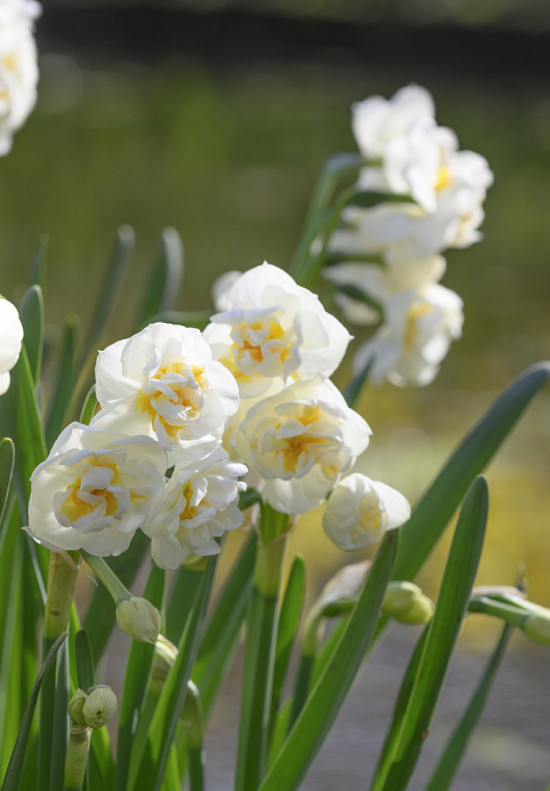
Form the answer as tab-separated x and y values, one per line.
215	119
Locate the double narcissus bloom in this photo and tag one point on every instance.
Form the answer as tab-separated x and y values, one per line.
163	383
360	511
18	67
11	334
272	328
301	441
198	506
95	489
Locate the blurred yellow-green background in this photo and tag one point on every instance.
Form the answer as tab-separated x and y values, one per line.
216	117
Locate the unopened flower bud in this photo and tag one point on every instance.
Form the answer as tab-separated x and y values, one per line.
405	602
537	628
75	707
100	706
164	658
139	619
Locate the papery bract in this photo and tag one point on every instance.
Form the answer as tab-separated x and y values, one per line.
274	328
198	506
418	330
164	383
301	440
11	338
95	489
360	511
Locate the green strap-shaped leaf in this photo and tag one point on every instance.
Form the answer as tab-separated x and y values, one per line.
31	313
289	620
223	628
84	660
327	696
451	757
14	771
167	274
163	726
7	453
136	683
64	381
435	508
451	606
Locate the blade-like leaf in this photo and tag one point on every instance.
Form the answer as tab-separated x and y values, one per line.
14	771
289	620
434	510
166	278
84	661
326	698
31	313
452	604
136	682
6	469
451	757
223	628
64	381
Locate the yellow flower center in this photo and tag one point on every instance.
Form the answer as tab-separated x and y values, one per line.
260	341
178	397
302	445
82	500
443	179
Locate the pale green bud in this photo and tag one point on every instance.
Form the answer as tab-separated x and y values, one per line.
76	704
405	602
100	706
139	619
537	628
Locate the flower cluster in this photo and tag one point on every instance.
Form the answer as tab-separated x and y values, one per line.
389	254
18	66
151	457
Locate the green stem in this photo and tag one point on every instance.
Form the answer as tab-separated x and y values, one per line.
104	572
62	575
512	615
259	658
77	757
196	768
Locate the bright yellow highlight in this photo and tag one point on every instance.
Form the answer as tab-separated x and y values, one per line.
443	179
251	348
173	395
75	507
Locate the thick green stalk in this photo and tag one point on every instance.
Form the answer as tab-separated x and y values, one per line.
259	657
77	757
62	575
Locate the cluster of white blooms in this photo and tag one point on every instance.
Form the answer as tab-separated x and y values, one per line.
183	415
18	66
390	253
11	332
164	406
293	428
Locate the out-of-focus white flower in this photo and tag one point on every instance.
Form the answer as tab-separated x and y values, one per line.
301	440
164	383
198	506
418	330
379	281
11	334
95	489
221	287
18	67
274	328
360	511
377	121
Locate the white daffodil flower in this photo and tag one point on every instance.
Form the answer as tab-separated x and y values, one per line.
18	67
164	383
11	333
379	281
377	121
274	328
95	489
301	440
197	507
418	330
360	511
